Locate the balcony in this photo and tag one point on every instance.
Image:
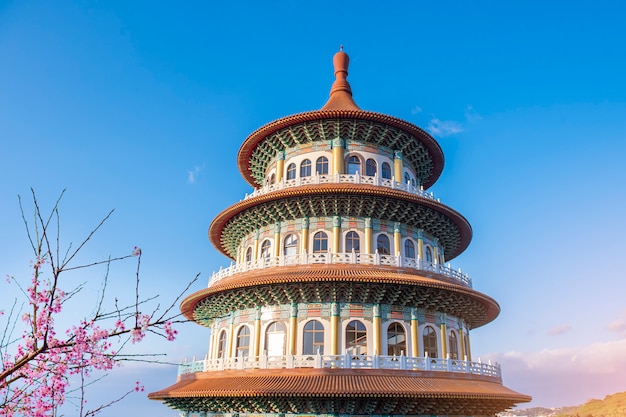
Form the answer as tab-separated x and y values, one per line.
445	271
346	361
343	179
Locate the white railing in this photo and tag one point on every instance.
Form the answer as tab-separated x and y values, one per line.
346	361
444	271
343	179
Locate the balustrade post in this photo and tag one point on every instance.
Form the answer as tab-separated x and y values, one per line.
376	258
318	360
347	361
427	360
376	361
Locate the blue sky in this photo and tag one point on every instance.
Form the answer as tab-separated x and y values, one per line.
142	107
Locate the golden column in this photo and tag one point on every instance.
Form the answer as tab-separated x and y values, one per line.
398	166
336	234
257	332
305	235
462	341
397	239
368	236
277	240
378	340
436	251
415	325
231	337
338	146
334	328
293	328
468	350
280	166
255	248
444	336
420	245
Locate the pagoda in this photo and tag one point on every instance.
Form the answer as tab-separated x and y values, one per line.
340	299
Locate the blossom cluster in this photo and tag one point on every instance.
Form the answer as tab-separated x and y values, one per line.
36	376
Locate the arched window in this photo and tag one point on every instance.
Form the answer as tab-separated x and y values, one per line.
321	166
243	342
429	254
407	178
370	167
386	170
430	342
265	249
291	171
320	242
272	179
409	249
453	346
221	344
290	246
305	168
354	165
248	254
313	338
356	338
383	245
275	339
396	339
352	242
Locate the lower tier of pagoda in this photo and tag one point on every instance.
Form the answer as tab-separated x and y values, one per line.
339	391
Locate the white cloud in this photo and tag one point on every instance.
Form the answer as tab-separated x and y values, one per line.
444	128
416	109
472	115
619	325
557	330
192	176
568	376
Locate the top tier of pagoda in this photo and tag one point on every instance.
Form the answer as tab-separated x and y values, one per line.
341	117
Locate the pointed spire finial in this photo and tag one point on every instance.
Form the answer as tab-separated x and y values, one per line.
340	92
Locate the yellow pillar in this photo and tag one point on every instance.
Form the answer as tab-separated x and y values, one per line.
444	340
255	248
280	166
231	337
468	347
398	166
277	240
415	325
338	146
293	329
305	235
436	252
213	347
420	246
368	236
336	234
257	333
334	329
396	239
378	339
462	342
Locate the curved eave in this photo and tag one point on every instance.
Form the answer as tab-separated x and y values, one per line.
252	141
347	283
310	390
462	226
